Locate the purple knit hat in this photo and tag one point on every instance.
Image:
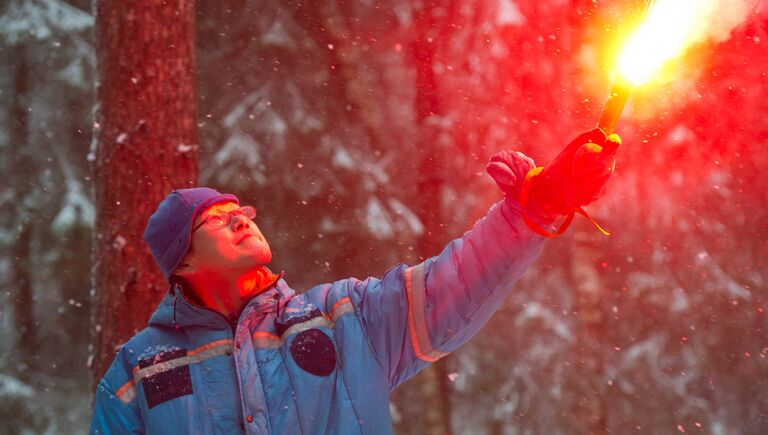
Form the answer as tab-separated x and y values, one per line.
169	230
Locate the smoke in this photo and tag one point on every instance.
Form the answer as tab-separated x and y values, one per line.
718	18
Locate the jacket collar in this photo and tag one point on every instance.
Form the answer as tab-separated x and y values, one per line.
176	311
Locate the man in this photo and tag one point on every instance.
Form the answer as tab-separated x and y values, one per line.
232	349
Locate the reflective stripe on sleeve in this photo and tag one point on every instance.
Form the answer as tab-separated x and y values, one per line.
342	307
127	392
415	287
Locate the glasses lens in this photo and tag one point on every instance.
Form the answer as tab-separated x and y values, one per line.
217	220
248	211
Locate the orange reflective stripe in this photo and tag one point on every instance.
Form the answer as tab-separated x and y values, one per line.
195	356
127	392
417	326
265	340
224	342
315	322
340	308
268	340
265	335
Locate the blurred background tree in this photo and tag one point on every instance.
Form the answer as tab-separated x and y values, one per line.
46	212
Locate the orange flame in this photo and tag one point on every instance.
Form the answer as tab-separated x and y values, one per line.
670	27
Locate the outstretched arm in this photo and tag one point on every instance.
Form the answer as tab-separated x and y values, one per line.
416	315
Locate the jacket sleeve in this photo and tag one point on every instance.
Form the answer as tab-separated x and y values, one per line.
415	315
116	410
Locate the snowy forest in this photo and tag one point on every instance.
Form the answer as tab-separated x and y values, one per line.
360	131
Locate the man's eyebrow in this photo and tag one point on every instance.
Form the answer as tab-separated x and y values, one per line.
212	209
203	214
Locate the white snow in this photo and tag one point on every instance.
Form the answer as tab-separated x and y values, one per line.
509	14
278	36
342	159
722	281
76	209
550	320
407	215
11	387
244	151
377	219
41	19
119	242
185	148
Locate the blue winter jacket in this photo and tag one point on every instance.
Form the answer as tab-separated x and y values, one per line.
321	362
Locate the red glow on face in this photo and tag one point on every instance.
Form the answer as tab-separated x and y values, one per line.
237	247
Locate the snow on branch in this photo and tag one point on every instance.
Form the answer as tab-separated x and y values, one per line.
41	19
77	209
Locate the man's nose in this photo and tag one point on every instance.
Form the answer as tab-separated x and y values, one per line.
240	222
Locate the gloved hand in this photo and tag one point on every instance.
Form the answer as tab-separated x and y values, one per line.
508	169
575	178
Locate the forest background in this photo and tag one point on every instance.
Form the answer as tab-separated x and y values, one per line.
360	131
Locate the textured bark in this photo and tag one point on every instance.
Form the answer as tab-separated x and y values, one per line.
75	307
146	145
590	406
433	382
24	316
23	301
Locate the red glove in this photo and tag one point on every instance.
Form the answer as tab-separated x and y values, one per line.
575	178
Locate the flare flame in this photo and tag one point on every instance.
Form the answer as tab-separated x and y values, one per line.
672	26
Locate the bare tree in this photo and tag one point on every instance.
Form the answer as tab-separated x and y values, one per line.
145	145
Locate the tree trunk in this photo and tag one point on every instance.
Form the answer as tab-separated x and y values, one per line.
73	272
23	303
590	408
24	318
433	382
146	145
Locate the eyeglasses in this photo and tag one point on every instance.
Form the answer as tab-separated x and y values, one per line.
223	218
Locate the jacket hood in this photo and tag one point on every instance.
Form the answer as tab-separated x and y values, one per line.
176	311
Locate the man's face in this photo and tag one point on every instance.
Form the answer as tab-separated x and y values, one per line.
236	247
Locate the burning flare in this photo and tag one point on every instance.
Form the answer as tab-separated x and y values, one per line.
670	27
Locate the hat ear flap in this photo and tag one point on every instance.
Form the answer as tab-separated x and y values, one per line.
183	269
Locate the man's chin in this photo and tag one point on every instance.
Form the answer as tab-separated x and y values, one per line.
263	256
258	260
